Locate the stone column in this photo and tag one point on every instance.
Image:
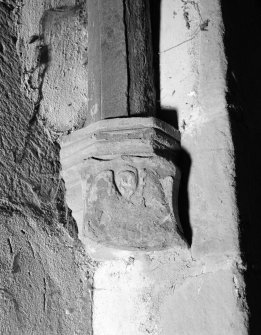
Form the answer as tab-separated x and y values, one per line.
121	173
120	170
122	177
120	60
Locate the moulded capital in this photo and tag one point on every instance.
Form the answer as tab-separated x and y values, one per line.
122	183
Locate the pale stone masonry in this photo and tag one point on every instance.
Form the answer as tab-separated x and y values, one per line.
106	253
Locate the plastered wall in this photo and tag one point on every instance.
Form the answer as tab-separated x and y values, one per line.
45	279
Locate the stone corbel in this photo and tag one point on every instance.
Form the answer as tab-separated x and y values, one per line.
122	183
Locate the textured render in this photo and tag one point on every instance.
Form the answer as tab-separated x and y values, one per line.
193	81
52	44
45	280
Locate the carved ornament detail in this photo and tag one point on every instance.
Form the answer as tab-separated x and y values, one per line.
130	199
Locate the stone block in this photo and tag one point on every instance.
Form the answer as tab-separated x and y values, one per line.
129	182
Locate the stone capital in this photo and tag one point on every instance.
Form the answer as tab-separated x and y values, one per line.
122	183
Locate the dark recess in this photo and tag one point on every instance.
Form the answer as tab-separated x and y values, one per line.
243	50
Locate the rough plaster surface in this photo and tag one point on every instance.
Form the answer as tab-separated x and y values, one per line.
44	284
166	293
53	46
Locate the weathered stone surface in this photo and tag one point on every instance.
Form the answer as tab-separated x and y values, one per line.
65	82
168	293
129	182
197	75
127	205
193	85
121	80
52	45
142	98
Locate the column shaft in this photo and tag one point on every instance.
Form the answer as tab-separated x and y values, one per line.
121	81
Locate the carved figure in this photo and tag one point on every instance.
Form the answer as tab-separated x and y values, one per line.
130	184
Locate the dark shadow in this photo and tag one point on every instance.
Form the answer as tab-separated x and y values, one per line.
243	51
171	117
183	201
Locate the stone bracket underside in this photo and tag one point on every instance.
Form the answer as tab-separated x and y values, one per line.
122	183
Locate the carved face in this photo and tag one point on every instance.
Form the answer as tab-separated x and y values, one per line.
126	182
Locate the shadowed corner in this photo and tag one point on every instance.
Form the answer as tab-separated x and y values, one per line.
184	164
183	201
243	52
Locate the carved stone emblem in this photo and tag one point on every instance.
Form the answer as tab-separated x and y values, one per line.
130	186
126	182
